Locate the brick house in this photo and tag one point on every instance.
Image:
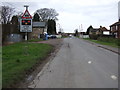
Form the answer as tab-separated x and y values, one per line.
38	30
115	29
95	33
99	31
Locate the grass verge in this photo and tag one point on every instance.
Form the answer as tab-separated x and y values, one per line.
112	43
0	67
35	40
19	58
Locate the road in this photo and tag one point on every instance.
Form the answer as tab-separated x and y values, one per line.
79	64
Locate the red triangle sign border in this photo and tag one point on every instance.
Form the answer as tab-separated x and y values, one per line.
28	17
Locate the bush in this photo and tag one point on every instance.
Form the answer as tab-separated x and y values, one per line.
109	40
93	36
118	42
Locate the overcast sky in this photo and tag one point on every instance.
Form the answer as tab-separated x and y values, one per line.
73	13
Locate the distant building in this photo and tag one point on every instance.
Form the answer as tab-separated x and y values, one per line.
104	31
83	35
39	28
94	33
99	31
115	29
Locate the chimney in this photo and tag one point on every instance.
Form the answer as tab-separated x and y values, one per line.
100	26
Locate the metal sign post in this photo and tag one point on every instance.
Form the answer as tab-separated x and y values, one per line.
26	36
26	22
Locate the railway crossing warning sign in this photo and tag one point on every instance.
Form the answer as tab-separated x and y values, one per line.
26	22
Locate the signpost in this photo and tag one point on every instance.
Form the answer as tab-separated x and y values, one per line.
26	22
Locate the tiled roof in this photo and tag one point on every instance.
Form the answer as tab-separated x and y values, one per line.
104	29
94	29
99	29
116	23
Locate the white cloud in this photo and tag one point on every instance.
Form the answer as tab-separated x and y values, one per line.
73	13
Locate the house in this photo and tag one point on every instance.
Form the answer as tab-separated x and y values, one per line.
94	33
99	31
39	28
115	29
83	35
104	31
88	29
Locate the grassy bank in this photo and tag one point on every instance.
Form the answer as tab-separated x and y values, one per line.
106	41
19	58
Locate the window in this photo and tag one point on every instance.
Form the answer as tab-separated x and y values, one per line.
116	27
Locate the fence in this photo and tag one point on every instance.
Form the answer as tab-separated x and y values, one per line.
8	30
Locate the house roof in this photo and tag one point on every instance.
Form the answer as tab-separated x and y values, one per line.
39	24
104	29
116	23
99	29
95	29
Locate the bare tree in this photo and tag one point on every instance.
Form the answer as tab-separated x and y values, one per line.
47	14
6	13
19	14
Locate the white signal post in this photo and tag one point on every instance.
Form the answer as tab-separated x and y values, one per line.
26	30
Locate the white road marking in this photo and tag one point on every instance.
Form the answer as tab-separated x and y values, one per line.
89	62
113	77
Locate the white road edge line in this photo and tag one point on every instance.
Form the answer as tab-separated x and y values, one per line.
114	77
89	62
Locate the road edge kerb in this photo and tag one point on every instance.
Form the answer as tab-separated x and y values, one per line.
101	46
109	49
48	59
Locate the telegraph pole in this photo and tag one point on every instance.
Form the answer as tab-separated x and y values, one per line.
81	29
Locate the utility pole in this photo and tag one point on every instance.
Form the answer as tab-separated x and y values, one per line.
81	29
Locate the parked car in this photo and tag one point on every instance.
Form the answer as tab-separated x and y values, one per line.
70	36
52	36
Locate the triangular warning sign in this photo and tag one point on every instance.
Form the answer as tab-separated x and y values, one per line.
26	15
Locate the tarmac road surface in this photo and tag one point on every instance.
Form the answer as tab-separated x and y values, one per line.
79	64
